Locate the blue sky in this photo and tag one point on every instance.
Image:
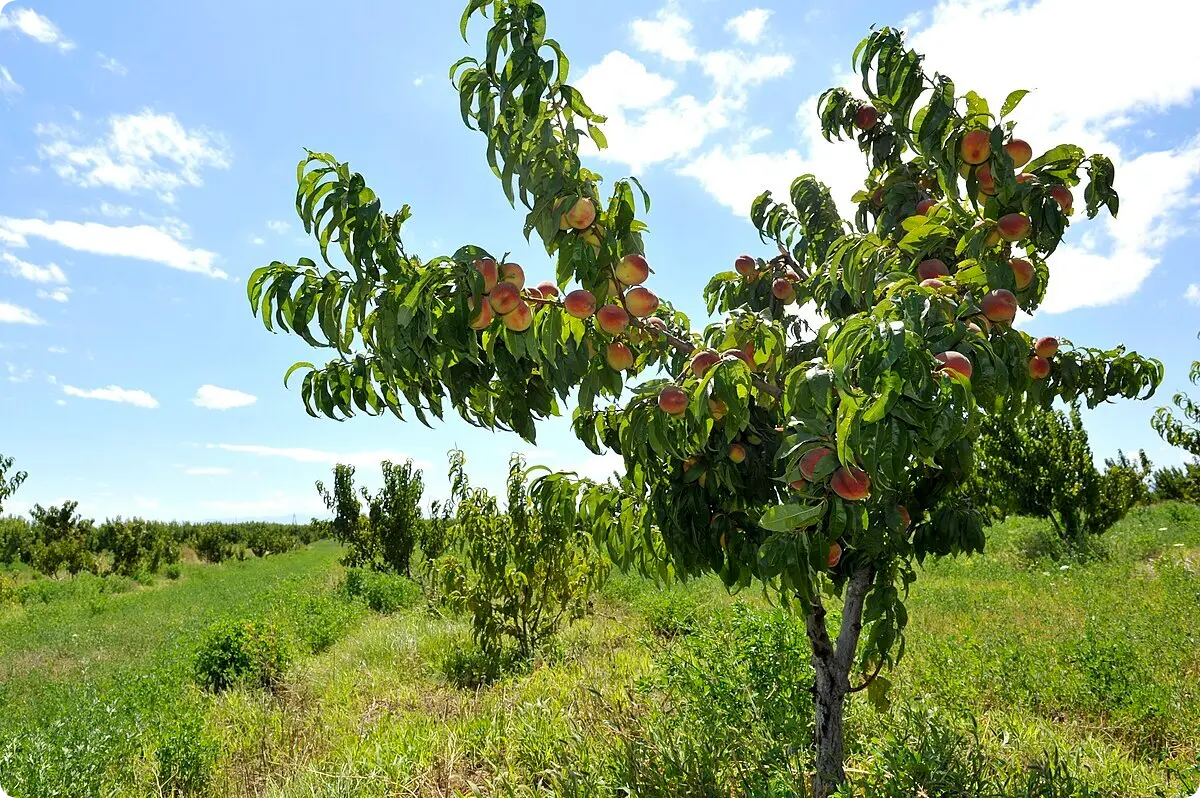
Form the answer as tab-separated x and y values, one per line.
147	162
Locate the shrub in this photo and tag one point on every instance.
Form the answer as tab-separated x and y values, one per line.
321	620
382	592
264	539
186	755
61	540
16	540
212	543
242	652
173	571
1178	483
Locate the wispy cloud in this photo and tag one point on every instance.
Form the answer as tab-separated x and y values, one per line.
114	393
15	314
278	227
7	84
214	398
18	375
51	273
1192	294
55	295
111	64
35	26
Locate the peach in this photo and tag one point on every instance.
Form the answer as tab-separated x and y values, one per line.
932	283
1062	196
932	268
533	293
519	318
986	182
955	362
1022	179
619	356
580	303
581	214
1022	272
925	206
992	238
504	297
866	117
633	270
513	273
905	518
835	554
811	460
783	290
1013	226
673	400
746	265
612	319
1039	367
703	360
483	317
737	452
487	267
851	483
1020	152
797	484
999	305
641	301
548	289
717	409
1046	347
976	146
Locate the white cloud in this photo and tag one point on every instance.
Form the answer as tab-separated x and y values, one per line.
7	84
15	314
748	27
56	295
257	240
1192	294
418	81
667	35
600	466
114	393
35	26
60	402
301	455
56	350
141	242
111	64
278	227
214	398
51	273
145	151
18	375
207	471
114	211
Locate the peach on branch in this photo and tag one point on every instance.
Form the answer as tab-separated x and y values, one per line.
1039	367
835	554
641	301
481	319
619	356
717	409
581	214
932	283
866	117
548	289
592	236
673	400
633	270
612	319
737	452
783	290
905	518
1022	272
580	304
851	483
797	484
1062	196
976	146
1020	152
513	273
1046	347
925	206
987	183
811	461
932	268
519	318
533	293
703	360
746	266
504	297
999	305
1013	226
491	274
955	362
1023	178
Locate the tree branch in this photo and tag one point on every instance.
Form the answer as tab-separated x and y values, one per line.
856	594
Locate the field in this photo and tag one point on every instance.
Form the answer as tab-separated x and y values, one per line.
1020	678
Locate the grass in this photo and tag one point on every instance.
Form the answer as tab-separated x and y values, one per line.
1021	678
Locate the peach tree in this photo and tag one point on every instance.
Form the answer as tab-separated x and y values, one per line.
9	485
1182	430
820	461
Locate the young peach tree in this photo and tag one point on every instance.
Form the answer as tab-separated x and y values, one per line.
1183	430
820	462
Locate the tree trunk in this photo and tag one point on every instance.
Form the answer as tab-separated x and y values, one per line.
832	685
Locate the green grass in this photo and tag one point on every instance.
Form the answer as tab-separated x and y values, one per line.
1020	679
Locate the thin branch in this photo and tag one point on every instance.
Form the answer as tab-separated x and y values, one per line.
871	678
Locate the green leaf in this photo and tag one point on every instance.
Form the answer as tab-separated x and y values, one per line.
788	517
1011	101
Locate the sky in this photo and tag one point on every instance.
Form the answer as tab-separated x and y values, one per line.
147	166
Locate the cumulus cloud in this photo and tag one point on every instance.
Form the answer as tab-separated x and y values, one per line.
748	27
667	35
1192	294
146	151
50	273
114	393
35	26
214	398
141	242
15	314
302	455
55	295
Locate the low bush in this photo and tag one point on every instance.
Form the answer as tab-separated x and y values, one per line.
186	754
242	652
321	619
382	592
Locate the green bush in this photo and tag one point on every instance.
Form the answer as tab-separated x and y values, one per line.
1178	483
212	543
186	755
16	539
173	571
321	619
136	546
382	592
264	539
62	540
385	536
242	652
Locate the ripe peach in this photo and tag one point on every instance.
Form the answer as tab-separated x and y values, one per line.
986	182
703	360
1025	178
746	265
955	362
992	238
932	283
866	117
1039	367
519	318
717	409
548	289
905	518
1020	152
783	290
737	452
504	297
619	356
533	293
592	236
932	268
641	301
1062	196
612	319
999	305
580	303
1013	226
673	400
582	214
851	483
811	460
797	484
633	270
481	319
835	554
1046	347
925	206
1022	271
976	146
487	267
513	273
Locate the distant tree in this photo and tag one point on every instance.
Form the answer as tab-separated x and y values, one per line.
349	526
136	545
394	517
1182	431
61	540
9	485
